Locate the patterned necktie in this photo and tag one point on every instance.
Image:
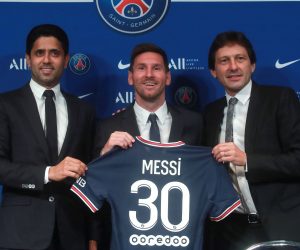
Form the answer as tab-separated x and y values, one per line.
154	129
229	138
229	127
51	127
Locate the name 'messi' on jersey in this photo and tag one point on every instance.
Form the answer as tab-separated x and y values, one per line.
161	167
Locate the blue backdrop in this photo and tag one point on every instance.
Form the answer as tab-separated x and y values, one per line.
98	71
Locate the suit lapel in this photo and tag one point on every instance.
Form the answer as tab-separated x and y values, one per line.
253	117
220	117
72	121
217	121
177	124
129	123
32	113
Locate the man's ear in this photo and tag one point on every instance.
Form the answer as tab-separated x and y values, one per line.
169	78
130	80
253	67
67	58
213	73
28	61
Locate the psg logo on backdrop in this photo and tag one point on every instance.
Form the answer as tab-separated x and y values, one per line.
79	64
186	96
132	16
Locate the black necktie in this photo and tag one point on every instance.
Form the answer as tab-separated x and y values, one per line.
154	129
229	127
51	127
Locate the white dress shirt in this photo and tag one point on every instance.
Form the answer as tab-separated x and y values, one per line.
239	124
164	121
61	113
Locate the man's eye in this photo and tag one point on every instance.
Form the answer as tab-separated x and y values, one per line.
55	53
241	59
224	61
39	53
140	67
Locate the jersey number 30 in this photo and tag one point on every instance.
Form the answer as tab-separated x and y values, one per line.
164	209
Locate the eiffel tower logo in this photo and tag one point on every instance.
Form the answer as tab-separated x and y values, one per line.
120	8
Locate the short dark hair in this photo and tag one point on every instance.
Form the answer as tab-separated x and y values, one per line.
47	30
148	47
229	38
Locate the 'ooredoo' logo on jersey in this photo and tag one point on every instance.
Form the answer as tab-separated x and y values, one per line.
159	240
132	16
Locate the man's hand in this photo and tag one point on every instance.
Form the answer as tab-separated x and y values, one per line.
229	152
118	138
93	245
69	167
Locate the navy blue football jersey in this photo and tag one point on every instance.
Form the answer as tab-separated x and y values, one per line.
160	194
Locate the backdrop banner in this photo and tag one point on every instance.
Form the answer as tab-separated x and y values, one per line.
103	33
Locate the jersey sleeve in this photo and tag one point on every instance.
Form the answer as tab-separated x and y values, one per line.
82	189
224	198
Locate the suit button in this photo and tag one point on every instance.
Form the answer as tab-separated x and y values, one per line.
51	199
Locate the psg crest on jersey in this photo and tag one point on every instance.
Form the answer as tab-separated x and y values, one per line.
132	16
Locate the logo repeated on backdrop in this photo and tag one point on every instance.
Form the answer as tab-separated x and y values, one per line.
79	64
281	65
186	96
180	63
18	64
124	97
132	16
185	64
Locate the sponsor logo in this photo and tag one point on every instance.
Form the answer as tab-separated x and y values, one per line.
180	63
186	96
132	16
279	65
185	64
18	64
125	97
159	240
79	64
122	66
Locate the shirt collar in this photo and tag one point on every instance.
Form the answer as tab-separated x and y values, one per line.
38	90
143	114
244	94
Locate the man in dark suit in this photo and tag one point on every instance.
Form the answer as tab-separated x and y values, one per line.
263	154
149	74
38	210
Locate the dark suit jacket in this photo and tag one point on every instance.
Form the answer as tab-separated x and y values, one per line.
272	144
186	126
29	208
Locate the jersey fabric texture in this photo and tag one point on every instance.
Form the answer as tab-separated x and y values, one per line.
160	194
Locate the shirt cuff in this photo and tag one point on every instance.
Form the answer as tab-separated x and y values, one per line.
246	167
46	178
